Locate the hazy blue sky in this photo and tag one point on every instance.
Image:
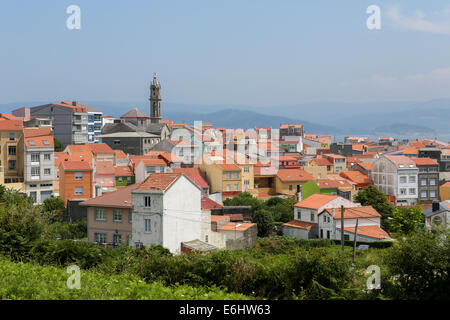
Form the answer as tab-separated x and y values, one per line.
254	52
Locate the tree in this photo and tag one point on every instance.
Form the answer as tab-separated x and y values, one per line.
264	220
244	199
282	209
407	220
53	204
59	146
372	196
418	267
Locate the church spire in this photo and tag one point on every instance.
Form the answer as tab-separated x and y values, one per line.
155	100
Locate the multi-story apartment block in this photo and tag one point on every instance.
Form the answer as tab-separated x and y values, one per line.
11	153
428	179
339	162
291	130
70	121
76	180
39	168
397	177
95	124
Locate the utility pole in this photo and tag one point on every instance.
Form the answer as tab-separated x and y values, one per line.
354	240
342	228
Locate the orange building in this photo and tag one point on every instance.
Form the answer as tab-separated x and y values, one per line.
75	180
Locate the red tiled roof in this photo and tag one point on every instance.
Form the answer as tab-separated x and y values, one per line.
446	185
120	154
286	126
424	162
293	175
366	165
216	217
229	167
208	204
122	171
36	132
154	162
116	199
104	167
322	162
6	116
75	165
100	148
10	125
353	213
356	177
400	161
238	226
370	231
333	184
159	181
194	174
300	224
315	201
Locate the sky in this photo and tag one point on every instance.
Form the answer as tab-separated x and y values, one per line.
252	52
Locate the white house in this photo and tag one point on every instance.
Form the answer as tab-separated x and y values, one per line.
166	211
368	219
306	214
438	215
145	167
396	176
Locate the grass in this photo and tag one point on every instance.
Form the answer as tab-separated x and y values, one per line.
26	281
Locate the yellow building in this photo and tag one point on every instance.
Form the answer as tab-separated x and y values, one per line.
445	191
289	181
318	172
11	153
325	164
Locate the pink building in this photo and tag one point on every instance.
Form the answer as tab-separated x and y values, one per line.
105	174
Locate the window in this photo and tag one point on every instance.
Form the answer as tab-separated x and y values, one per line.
103	179
312	216
47	156
147	202
402	179
423	182
100	237
346	237
246	169
111	180
228	175
12	150
412	179
206	238
130	216
423	194
129	179
11	136
120	180
147	225
46	143
236	175
236	187
35	172
35	157
117	238
116	141
403	191
100	214
78	175
47	172
290	187
33	196
432	194
79	190
246	182
412	191
432	182
117	215
228	187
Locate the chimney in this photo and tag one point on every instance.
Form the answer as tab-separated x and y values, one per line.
436	205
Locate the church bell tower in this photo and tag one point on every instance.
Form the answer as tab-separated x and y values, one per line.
155	101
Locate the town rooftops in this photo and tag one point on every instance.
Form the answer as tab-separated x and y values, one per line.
333	184
218	217
286	126
100	148
120	171
208	204
229	167
287	175
116	199
6	116
315	201
71	165
353	213
366	165
135	113
38	137
11	125
424	162
300	224
159	181
120	154
446	185
369	231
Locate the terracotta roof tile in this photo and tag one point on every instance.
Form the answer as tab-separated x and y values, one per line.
104	167
75	165
370	231
315	201
194	174
353	213
11	125
208	204
238	226
159	181
356	177
424	162
294	175
116	199
300	224
122	171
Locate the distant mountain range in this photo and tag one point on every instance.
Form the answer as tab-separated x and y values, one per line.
402	119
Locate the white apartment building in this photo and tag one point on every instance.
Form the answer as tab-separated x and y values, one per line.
39	168
396	176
